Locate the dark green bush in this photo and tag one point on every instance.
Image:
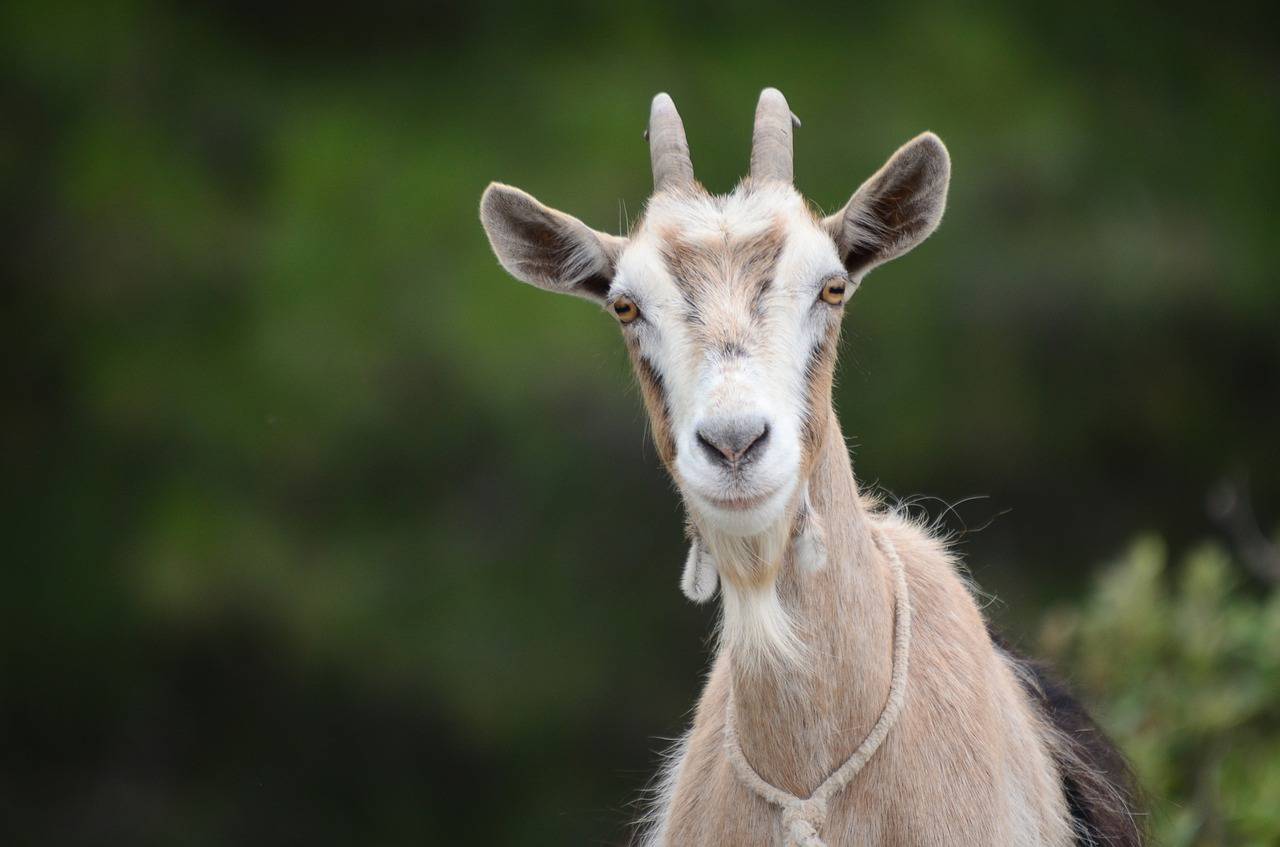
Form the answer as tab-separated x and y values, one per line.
1187	661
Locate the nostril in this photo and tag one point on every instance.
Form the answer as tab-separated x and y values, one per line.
709	447
729	441
756	443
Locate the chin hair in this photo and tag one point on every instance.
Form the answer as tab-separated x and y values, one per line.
758	632
745	525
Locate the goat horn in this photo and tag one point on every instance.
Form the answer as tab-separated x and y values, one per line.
771	151
668	148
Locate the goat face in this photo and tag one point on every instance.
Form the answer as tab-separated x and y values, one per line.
730	305
726	308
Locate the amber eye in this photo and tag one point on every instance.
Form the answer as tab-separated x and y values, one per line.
626	309
833	290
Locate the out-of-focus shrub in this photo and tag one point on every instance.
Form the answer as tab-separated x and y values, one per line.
1184	665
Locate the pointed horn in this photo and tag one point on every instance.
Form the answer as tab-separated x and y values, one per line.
668	148
771	152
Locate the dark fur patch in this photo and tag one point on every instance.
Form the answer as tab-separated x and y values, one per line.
749	261
819	372
655	398
732	350
1098	783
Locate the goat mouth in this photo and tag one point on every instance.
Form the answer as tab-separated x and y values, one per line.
739	504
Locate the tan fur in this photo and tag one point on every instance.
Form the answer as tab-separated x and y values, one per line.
655	402
744	265
819	379
967	763
735	325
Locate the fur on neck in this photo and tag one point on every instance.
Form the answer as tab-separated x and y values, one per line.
756	629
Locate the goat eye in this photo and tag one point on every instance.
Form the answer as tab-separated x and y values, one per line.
626	309
833	290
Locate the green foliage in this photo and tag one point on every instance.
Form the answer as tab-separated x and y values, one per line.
1187	667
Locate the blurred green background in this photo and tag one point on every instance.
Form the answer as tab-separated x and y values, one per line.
320	529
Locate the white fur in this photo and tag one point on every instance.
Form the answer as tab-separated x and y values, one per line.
699	383
699	579
809	546
758	632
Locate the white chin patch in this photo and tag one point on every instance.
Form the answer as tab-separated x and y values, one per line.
743	522
808	549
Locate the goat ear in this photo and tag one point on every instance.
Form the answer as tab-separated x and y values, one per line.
546	248
894	210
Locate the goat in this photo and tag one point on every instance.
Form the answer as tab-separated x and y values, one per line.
856	696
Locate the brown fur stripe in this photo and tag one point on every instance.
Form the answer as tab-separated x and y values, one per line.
750	261
819	376
655	400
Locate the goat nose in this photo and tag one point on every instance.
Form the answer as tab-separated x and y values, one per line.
730	440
